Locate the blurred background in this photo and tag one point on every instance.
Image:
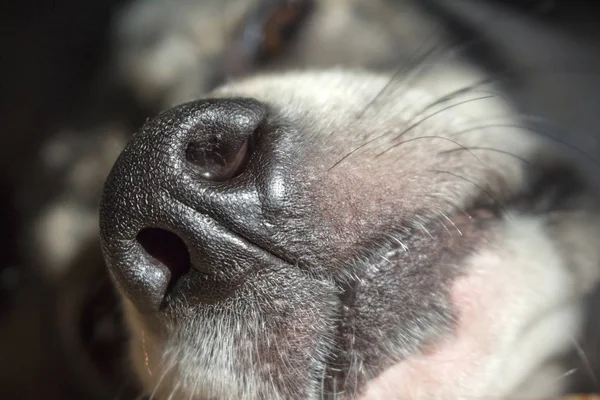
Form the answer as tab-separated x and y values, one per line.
51	55
54	74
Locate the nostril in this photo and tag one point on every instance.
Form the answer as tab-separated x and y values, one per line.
215	160
219	135
167	249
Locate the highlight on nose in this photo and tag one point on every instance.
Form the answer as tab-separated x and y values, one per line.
150	240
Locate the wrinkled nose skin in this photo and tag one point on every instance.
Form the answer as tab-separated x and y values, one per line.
183	208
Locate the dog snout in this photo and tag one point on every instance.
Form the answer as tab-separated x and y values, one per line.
162	210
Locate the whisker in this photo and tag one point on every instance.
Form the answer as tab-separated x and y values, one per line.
418	61
421	226
453	50
403	132
414	125
438	220
398	71
455	93
395	239
586	362
174	391
194	389
454	225
469	149
164	374
483	190
445	54
417	66
322	387
536	131
360	369
429	137
452	204
566	374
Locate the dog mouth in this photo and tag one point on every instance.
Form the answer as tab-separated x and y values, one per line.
100	330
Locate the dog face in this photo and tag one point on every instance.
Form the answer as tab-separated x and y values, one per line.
314	270
349	233
167	53
377	222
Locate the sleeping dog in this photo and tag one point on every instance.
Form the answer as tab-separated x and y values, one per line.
347	200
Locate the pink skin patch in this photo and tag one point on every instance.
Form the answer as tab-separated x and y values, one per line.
513	308
450	369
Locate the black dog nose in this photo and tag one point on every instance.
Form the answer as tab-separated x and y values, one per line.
166	197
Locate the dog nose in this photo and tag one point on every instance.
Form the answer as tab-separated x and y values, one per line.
166	198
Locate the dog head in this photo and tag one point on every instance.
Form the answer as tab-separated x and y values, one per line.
349	233
379	221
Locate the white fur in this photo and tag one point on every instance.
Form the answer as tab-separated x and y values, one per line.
517	312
